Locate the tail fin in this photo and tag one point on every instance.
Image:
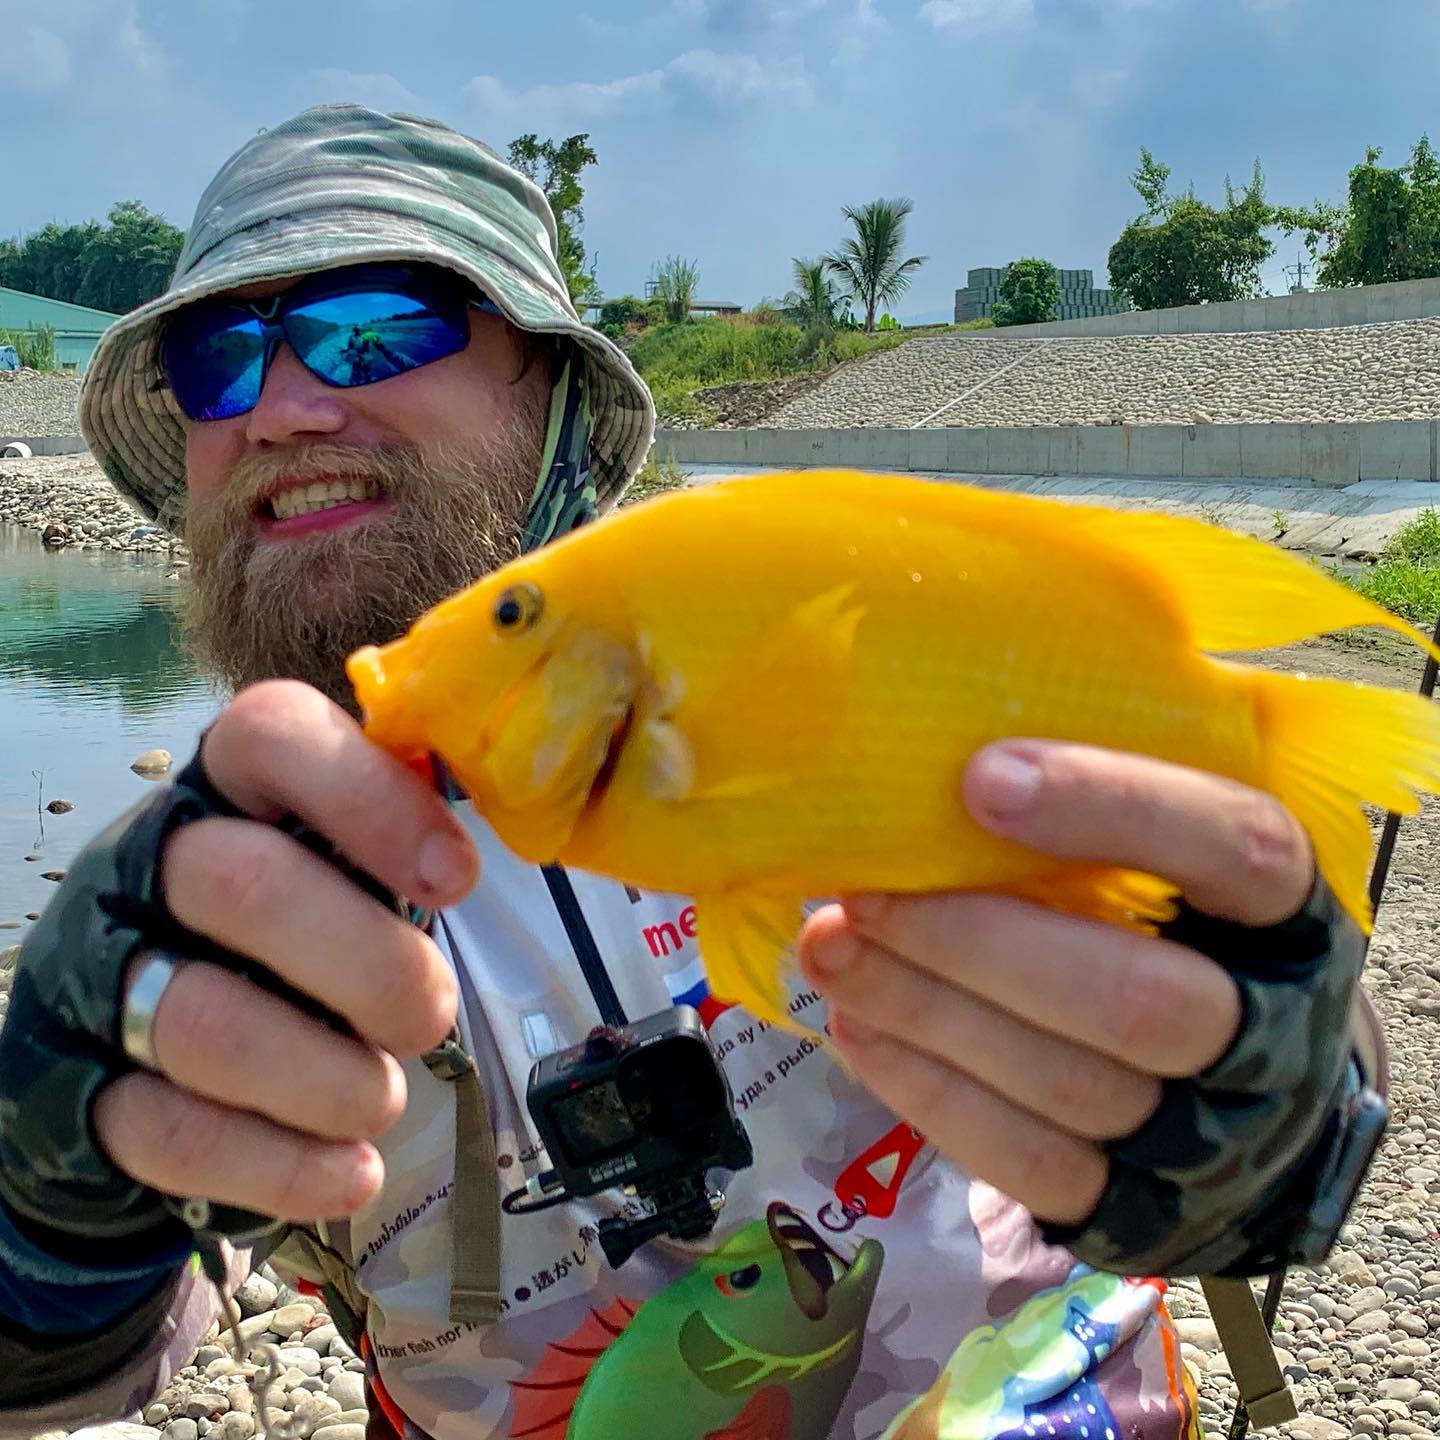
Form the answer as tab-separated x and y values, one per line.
1332	745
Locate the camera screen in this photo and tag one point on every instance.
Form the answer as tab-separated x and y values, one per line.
593	1121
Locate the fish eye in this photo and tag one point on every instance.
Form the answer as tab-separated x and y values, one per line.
745	1279
518	608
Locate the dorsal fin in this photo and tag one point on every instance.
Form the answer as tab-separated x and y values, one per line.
1232	592
1235	592
541	1404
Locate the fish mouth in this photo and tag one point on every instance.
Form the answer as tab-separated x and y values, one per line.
812	1267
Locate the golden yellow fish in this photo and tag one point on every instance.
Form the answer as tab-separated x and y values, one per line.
766	690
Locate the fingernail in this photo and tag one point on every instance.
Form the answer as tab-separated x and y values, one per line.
442	864
1005	782
835	954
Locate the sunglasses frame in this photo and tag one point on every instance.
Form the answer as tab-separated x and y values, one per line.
429	285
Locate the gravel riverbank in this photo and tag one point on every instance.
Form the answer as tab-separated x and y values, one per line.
32	403
71	490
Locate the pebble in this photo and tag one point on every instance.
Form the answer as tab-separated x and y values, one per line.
293	1317
353	1431
207	1404
1427	1402
181	1429
152	763
56	875
313	1410
1200	1333
235	1426
256	1295
348	1390
1370	1297
345	1417
1412	1324
60	807
1376	1320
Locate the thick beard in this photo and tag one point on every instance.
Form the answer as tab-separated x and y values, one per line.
258	610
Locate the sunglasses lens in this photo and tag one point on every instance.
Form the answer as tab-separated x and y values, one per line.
213	357
370	335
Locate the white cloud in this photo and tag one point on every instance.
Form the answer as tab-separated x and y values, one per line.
378	90
141	54
38	60
743	77
974	17
719	76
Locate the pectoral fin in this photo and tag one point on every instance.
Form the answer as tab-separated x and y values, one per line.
549	742
747	944
742	735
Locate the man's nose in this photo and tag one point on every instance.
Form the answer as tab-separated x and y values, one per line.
294	403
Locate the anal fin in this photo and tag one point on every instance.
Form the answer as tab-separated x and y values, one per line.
1130	899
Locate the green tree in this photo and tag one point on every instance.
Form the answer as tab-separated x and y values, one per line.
115	266
868	263
1029	293
675	283
814	304
557	169
1388	229
1182	251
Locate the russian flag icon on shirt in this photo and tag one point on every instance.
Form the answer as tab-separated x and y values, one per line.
688	986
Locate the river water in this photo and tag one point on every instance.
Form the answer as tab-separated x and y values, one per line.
91	674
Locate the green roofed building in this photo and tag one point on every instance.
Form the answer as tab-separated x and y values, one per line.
77	327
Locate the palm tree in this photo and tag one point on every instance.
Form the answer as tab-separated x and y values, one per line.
675	283
869	262
815	302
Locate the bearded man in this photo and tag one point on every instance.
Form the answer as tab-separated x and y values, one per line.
366	387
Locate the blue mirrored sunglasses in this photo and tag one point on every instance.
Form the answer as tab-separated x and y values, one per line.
347	327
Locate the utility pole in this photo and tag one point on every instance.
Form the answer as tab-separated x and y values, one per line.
1298	269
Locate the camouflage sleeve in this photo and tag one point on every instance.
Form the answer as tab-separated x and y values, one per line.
61	1043
1250	1166
50	1383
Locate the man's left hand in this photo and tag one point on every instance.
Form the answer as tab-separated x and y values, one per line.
1019	1038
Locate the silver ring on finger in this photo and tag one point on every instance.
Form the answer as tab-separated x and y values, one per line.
154	970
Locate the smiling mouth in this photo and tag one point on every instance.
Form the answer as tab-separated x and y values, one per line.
318	495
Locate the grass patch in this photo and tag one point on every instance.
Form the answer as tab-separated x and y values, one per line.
1406	578
677	360
655	477
35	347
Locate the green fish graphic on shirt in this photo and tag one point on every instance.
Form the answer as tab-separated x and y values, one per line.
760	1341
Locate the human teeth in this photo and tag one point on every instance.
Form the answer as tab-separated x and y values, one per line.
320	495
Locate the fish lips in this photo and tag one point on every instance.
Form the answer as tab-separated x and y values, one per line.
812	1267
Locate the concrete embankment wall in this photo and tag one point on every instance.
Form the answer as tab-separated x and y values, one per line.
1317	454
45	444
1314	310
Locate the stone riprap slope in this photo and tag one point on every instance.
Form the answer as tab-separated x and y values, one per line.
1363	372
900	386
36	404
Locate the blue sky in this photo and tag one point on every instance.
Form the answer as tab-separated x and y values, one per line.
732	131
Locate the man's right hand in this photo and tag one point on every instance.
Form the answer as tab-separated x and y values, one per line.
259	1105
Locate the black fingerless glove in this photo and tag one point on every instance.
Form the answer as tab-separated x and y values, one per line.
61	1041
1252	1165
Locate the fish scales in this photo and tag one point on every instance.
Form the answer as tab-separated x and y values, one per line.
766	690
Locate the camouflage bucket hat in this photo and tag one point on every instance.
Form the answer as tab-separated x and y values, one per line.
343	185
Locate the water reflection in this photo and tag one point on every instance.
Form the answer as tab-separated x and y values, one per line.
91	674
89	624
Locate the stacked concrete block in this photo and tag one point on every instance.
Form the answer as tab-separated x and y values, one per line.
1078	295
